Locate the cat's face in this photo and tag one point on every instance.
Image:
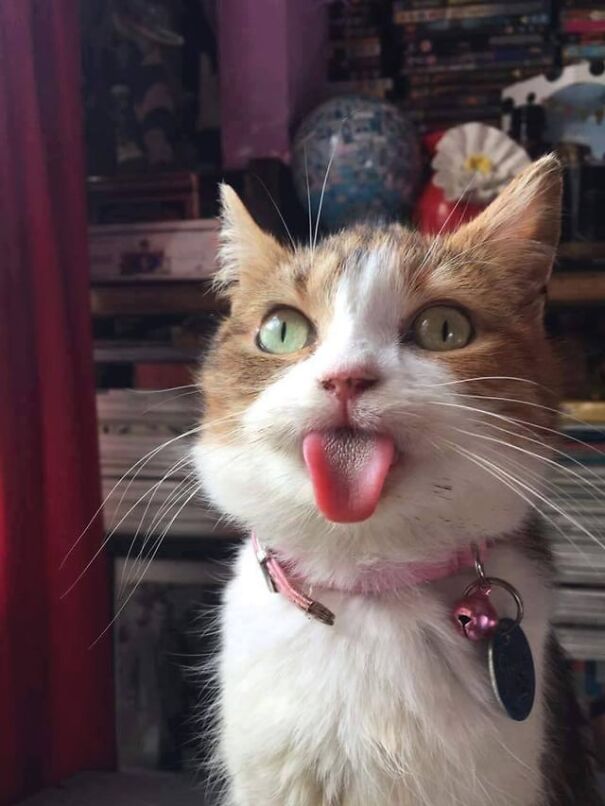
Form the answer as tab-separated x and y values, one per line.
358	395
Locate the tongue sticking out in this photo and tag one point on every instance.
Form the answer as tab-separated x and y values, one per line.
348	470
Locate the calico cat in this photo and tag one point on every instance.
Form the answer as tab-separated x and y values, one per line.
377	414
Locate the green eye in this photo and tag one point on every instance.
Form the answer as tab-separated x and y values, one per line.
442	328
284	331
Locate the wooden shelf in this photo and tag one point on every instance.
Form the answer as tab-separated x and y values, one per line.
587	411
581	250
577	287
186	297
107	352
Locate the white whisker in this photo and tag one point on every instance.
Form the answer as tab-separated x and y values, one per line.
308	199
584	424
138	465
549	503
527	452
479	378
182	490
323	187
436	242
141	577
514	421
182	463
279	212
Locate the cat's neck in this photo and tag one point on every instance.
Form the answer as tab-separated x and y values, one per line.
340	562
375	576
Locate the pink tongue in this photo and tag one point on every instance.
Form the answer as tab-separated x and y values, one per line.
347	471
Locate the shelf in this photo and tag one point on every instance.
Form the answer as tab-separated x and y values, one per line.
582	250
106	352
576	287
586	411
186	297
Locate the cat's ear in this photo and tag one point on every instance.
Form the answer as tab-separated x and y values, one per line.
520	228
243	246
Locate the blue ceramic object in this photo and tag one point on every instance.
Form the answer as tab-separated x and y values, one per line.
376	161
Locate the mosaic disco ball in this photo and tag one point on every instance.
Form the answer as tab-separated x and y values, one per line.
375	158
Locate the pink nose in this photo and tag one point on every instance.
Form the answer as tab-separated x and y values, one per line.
347	385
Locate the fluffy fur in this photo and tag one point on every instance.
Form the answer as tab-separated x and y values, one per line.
390	706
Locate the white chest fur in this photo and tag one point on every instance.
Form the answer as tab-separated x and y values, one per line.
389	707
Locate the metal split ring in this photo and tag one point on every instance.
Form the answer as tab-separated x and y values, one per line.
486	584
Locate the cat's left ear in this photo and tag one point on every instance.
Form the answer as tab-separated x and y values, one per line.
520	229
244	247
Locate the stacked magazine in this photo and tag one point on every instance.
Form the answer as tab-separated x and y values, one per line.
149	479
577	532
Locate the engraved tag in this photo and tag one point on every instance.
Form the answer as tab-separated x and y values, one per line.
511	669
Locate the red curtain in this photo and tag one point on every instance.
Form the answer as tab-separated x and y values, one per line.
55	693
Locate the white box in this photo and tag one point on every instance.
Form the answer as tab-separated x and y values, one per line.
179	250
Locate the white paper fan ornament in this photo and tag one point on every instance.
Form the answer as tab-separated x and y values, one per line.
474	162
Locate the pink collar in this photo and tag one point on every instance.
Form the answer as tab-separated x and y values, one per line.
378	579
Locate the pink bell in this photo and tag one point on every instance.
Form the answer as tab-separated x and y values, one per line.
475	616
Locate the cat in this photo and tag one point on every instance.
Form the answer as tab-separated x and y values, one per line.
376	405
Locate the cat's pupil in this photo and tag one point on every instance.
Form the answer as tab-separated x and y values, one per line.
284	327
445	330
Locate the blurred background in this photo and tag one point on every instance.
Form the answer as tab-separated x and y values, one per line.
118	120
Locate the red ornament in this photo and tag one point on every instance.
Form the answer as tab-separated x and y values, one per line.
430	141
435	214
475	616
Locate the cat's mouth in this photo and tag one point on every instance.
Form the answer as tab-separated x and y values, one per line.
348	469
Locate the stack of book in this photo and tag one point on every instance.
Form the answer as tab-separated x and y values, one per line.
582	24
458	55
356	55
576	527
149	479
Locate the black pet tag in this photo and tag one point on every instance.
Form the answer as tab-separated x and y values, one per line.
511	669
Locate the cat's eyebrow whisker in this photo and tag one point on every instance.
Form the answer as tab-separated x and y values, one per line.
278	211
308	198
325	182
154	552
436	238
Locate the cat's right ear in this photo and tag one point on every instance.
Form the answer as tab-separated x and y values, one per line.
244	248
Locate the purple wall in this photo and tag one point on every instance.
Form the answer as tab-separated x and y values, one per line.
272	67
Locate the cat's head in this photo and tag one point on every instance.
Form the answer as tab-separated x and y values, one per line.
383	394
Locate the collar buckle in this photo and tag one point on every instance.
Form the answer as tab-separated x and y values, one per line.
262	558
